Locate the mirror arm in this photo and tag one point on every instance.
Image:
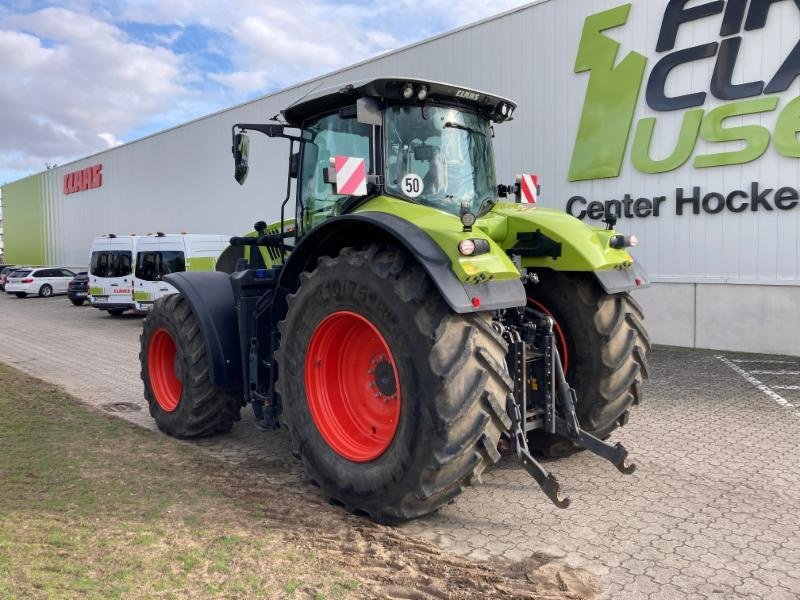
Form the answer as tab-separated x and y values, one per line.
285	200
268	129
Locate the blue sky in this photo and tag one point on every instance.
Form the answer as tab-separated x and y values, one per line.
81	76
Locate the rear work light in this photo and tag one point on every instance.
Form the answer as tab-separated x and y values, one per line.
473	247
623	241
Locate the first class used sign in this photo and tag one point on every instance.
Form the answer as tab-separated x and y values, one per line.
83	179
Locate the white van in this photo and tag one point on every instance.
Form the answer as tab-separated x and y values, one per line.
111	273
161	254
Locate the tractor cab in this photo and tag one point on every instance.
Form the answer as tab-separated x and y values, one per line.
423	142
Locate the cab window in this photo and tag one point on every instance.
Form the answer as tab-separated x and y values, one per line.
329	136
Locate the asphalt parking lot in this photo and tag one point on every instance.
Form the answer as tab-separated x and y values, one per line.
711	511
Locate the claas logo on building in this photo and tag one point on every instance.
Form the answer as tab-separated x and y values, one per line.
83	179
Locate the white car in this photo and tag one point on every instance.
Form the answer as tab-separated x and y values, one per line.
44	281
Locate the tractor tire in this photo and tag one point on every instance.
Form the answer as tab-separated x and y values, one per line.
394	402
176	374
604	346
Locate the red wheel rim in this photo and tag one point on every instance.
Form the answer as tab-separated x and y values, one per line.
166	386
352	386
561	339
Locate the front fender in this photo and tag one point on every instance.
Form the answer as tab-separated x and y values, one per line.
211	297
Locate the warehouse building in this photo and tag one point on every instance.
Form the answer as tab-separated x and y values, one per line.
680	118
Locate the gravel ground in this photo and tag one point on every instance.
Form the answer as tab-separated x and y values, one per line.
711	511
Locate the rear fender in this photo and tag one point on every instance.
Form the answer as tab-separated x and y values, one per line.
375	227
211	297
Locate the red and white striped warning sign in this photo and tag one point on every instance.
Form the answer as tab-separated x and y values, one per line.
528	188
351	175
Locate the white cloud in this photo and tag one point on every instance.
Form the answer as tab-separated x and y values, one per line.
73	82
110	139
71	85
242	81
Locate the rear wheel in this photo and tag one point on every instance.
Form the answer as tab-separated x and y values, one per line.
77	301
45	291
394	402
20	294
175	371
603	345
116	312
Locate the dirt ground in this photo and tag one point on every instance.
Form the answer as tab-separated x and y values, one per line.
91	506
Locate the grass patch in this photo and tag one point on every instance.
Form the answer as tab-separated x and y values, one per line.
93	507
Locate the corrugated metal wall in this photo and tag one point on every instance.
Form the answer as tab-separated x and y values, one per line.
182	179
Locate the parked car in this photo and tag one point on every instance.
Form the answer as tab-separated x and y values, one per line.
44	281
78	289
4	271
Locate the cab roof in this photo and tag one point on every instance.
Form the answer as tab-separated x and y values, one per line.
389	89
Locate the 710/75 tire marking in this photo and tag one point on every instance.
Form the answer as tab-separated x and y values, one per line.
759	385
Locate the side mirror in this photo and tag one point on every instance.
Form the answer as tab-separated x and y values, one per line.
241	151
368	111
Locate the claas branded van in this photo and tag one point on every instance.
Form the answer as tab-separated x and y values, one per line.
111	273
161	254
127	272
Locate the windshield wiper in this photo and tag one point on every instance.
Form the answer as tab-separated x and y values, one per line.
463	128
486	204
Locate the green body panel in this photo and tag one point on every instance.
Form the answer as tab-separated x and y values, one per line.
201	263
271	228
24	222
141	296
583	248
96	291
447	231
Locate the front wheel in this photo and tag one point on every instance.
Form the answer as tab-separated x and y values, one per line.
394	402
175	371
603	347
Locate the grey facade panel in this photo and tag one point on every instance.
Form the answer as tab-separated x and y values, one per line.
182	179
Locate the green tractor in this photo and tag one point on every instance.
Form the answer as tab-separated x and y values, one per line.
412	318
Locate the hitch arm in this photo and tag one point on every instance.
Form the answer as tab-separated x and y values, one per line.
546	480
515	404
569	427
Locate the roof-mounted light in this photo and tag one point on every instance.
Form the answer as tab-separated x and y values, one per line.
408	91
422	93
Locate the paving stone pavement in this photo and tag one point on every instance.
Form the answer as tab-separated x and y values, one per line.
711	512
